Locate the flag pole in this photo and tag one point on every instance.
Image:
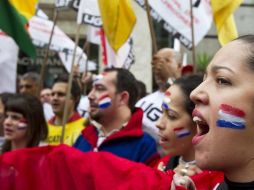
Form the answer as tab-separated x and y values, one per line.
68	94
150	22
43	67
86	49
193	38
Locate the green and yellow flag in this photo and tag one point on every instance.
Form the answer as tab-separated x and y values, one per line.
118	21
14	15
224	20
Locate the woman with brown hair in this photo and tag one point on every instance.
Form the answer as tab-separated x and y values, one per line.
24	123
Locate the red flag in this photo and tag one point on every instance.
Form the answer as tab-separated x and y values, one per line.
66	168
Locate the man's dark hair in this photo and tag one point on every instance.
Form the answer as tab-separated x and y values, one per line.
141	89
75	88
125	81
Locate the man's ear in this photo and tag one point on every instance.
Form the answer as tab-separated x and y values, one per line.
124	98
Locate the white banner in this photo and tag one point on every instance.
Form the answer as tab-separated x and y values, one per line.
175	17
93	34
63	3
40	30
89	13
8	63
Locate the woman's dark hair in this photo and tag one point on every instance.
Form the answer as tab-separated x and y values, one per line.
31	108
187	84
248	40
3	98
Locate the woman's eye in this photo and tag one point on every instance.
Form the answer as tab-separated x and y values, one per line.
223	81
171	116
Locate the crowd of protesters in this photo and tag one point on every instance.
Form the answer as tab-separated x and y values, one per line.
196	130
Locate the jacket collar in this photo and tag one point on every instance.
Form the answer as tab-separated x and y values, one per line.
132	129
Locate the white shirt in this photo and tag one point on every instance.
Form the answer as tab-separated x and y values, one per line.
151	105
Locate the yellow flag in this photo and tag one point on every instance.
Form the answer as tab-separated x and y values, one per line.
224	20
26	8
118	21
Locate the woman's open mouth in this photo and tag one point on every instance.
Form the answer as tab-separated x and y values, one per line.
202	127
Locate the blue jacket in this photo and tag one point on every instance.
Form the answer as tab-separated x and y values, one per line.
130	142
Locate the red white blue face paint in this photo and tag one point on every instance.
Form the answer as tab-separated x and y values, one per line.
231	117
22	125
99	77
104	101
166	101
181	132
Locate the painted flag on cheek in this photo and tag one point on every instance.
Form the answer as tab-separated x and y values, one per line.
231	117
181	132
22	124
104	101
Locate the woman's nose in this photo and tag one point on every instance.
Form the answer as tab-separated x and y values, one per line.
7	121
199	95
160	123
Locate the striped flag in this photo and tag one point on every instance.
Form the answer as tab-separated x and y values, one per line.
181	132
22	125
231	117
104	101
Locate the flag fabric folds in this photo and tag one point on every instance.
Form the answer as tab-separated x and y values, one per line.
12	22
224	20
65	168
27	9
118	20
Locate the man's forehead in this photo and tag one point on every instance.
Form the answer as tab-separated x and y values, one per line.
60	85
27	81
106	78
45	91
165	53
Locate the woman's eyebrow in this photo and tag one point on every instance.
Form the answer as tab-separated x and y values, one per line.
215	69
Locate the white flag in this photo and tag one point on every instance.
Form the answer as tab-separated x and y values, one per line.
8	63
124	57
